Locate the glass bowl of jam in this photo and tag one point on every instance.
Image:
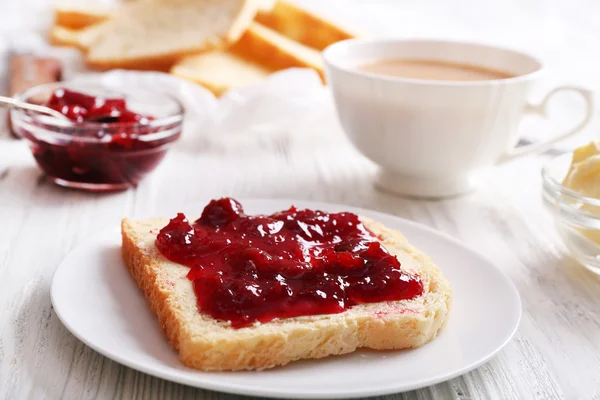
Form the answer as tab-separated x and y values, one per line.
110	139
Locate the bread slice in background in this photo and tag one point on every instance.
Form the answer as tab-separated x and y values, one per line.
156	33
208	344
217	70
220	71
77	15
276	51
288	19
259	52
84	39
79	38
302	25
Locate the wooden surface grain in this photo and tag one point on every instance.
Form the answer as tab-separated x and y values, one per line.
554	355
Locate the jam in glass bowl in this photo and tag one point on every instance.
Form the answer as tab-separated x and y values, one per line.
110	141
577	217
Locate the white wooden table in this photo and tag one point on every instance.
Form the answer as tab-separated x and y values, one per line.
554	355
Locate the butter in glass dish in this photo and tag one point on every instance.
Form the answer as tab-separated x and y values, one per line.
572	193
584	173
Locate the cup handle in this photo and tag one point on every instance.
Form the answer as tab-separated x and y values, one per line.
540	109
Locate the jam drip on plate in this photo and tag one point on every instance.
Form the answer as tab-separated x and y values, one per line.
292	263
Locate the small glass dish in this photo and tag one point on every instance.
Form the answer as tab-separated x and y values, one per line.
577	217
99	156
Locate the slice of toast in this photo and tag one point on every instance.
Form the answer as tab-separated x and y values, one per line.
259	52
159	32
78	16
84	39
275	51
256	54
220	71
79	38
208	344
302	25
292	21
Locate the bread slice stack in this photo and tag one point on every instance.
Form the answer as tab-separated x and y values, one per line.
302	25
220	44
213	345
238	66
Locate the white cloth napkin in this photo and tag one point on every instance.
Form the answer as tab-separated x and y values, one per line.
289	105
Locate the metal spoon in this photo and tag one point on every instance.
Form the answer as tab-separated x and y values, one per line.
9	102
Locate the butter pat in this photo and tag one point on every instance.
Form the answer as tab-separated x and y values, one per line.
584	178
584	173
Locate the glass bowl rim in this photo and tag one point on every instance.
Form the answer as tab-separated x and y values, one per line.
47	122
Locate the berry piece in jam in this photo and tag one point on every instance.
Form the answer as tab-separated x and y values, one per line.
81	107
247	269
221	212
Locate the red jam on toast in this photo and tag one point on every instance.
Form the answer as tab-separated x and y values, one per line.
292	263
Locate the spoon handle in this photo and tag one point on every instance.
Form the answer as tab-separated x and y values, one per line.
9	102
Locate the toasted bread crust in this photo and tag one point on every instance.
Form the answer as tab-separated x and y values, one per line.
75	18
162	63
211	345
146	273
276	52
303	25
259	52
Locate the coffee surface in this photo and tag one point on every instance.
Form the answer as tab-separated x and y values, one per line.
433	70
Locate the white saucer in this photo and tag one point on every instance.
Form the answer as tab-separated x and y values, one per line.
99	302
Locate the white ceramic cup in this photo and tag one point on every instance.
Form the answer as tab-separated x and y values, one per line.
434	138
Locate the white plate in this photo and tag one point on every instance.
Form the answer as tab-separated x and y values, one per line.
99	302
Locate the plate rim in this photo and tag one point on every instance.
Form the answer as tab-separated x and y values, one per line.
237	389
